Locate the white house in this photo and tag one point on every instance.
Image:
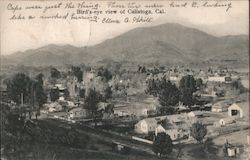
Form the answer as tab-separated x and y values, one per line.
219	107
174	133
245	83
78	112
145	126
195	114
219	79
226	121
239	110
120	112
55	107
203	76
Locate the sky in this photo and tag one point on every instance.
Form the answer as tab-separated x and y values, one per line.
21	35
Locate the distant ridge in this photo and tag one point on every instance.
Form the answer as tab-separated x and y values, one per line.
168	43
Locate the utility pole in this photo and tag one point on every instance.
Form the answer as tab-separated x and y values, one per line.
21	99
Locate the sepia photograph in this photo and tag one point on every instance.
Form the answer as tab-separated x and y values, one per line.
124	80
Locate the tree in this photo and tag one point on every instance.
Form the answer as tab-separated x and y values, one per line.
54	94
54	73
107	93
19	87
91	102
40	94
169	96
198	131
152	87
198	83
82	93
76	71
187	88
162	144
168	93
104	73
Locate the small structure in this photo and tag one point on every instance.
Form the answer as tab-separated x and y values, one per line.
78	112
239	109
55	107
120	147
197	114
220	79
226	121
174	133
145	126
102	106
233	151
203	76
182	108
121	113
61	98
219	107
174	126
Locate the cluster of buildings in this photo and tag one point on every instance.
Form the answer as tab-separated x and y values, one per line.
177	126
146	109
211	75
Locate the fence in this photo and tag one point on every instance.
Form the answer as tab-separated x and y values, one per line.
142	140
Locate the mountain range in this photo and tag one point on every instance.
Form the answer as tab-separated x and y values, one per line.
164	44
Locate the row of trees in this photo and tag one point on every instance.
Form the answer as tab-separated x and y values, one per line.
78	73
75	71
169	94
22	89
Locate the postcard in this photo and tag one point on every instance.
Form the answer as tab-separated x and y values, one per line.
127	79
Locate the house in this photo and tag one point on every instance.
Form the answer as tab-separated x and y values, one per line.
54	107
78	112
141	112
176	119
197	114
121	112
240	109
146	125
102	106
61	98
219	107
182	108
226	121
202	75
245	83
172	130
174	133
220	79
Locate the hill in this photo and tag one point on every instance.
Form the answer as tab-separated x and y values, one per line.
165	44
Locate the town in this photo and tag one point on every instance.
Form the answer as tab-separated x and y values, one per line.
127	110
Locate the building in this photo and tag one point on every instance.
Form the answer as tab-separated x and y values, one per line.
239	110
245	83
78	112
54	107
226	121
203	76
174	130
146	125
197	114
219	107
121	112
220	79
174	133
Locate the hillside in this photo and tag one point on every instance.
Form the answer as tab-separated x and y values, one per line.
166	44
